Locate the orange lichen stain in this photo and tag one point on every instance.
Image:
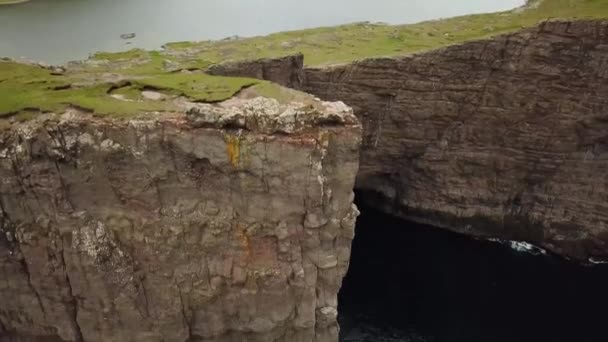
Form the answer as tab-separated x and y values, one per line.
233	145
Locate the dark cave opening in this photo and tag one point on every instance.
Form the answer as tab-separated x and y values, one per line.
411	282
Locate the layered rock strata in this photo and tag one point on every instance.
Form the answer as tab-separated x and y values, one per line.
227	222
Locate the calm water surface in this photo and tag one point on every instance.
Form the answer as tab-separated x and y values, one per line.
56	31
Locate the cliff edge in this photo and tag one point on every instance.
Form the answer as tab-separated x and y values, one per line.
223	222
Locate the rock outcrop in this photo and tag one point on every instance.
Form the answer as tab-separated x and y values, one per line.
227	222
287	71
505	137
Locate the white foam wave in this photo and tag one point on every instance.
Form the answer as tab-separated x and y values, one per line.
522	246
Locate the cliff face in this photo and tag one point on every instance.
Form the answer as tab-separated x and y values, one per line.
232	222
506	137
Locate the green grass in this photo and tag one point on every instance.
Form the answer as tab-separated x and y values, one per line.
129	92
116	56
196	86
27	88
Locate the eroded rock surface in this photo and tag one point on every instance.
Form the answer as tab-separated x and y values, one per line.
177	227
506	137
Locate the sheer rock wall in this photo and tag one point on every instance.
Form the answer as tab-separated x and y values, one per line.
228	223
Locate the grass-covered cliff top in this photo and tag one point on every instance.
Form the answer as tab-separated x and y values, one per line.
108	90
112	83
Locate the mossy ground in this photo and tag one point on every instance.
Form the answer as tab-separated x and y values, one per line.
179	68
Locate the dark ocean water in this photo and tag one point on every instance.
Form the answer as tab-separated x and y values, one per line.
410	282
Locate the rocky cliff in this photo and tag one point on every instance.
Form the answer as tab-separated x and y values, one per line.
224	222
233	221
505	137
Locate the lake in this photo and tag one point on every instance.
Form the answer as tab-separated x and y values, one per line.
56	31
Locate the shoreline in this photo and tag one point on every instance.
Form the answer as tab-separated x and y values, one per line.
83	54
